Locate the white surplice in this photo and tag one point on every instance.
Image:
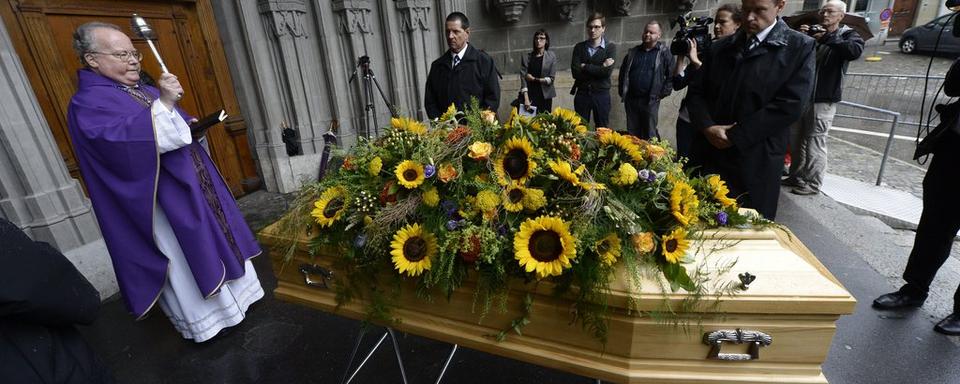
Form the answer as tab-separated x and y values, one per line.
193	316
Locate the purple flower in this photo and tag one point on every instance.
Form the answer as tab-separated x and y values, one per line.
451	225
722	218
360	241
647	175
449	207
429	171
502	230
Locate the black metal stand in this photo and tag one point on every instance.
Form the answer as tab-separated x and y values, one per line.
369	79
349	374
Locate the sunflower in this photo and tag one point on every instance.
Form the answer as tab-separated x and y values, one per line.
330	206
516	161
624	144
412	250
720	191
684	203
431	197
608	248
544	245
408	124
409	174
569	116
376	164
625	175
675	245
565	171
513	197
450	113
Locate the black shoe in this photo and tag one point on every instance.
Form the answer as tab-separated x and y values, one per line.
950	325
898	300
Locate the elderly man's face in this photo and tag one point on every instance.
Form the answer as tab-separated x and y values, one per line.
109	44
457	36
830	15
760	14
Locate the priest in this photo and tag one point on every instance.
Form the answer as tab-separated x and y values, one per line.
173	229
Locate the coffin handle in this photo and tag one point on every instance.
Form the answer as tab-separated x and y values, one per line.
755	339
312	269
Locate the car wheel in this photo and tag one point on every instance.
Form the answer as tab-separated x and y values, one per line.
908	45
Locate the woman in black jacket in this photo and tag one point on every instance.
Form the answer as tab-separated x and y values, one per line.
538	70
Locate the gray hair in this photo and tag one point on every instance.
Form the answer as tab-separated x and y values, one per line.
840	4
83	38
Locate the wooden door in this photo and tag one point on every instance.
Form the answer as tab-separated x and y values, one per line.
904	12
188	42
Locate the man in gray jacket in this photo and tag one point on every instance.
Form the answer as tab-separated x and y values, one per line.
645	79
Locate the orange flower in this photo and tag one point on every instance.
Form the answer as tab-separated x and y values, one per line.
480	150
655	152
574	151
447	172
348	163
488	116
603	131
457	133
642	242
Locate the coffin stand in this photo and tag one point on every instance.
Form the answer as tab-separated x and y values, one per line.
777	331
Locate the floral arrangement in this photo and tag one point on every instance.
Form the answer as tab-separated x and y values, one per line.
529	200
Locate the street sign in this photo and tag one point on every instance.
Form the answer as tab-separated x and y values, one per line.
886	14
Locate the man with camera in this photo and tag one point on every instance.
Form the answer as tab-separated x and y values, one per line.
754	85
645	79
837	45
591	66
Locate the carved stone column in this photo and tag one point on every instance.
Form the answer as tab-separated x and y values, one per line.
37	193
415	19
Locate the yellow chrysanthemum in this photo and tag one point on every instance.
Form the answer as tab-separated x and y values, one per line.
487	201
642	242
408	124
570	116
625	175
409	173
684	203
624	144
675	245
450	113
413	250
513	197
534	199
720	191
608	248
330	206
516	162
431	197
375	166
565	171
544	245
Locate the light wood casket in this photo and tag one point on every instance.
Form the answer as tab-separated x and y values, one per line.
794	300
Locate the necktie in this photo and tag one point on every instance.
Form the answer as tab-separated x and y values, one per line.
754	42
456	60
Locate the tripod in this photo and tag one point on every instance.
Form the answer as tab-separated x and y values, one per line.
364	72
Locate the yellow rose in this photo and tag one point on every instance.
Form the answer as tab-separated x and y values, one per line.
480	150
489	117
642	242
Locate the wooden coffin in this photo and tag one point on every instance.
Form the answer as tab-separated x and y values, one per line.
793	305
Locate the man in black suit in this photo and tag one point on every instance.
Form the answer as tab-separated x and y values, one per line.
592	65
754	85
461	73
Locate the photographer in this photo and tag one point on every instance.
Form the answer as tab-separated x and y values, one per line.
837	45
644	80
727	21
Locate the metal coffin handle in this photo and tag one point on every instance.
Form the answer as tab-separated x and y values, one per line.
716	339
313	269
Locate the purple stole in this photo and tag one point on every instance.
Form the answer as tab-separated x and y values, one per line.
114	142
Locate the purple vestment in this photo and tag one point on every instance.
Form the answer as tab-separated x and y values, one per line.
114	142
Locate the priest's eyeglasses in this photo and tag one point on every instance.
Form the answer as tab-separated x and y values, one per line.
123	55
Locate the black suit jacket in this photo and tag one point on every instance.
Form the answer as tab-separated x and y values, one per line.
762	92
593	76
475	76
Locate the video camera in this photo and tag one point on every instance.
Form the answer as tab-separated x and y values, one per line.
695	28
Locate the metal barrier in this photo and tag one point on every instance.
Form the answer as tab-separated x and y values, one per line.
893	129
901	93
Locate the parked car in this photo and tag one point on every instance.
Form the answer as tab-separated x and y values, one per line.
924	37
